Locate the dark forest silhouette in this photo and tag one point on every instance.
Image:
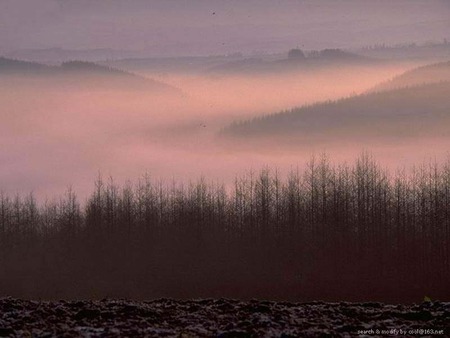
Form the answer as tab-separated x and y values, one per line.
329	232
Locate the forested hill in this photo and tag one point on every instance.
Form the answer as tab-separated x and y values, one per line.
11	66
79	72
403	112
433	73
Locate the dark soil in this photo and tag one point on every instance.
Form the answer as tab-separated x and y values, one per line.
219	317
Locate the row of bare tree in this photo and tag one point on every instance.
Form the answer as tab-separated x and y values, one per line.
329	232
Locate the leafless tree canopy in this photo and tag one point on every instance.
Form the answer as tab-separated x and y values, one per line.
331	232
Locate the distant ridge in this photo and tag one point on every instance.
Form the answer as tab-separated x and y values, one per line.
296	59
16	66
412	51
84	72
57	55
336	54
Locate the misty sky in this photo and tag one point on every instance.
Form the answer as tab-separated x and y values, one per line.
196	27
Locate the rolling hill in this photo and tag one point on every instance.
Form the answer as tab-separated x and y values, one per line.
434	73
77	73
12	66
408	112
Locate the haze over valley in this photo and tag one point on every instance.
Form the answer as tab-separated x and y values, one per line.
62	125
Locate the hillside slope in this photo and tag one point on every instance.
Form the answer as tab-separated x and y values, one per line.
75	73
434	73
408	112
12	66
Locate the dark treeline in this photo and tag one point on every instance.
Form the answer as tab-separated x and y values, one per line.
329	232
19	66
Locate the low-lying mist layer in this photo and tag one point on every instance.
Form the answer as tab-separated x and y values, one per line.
330	232
62	130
